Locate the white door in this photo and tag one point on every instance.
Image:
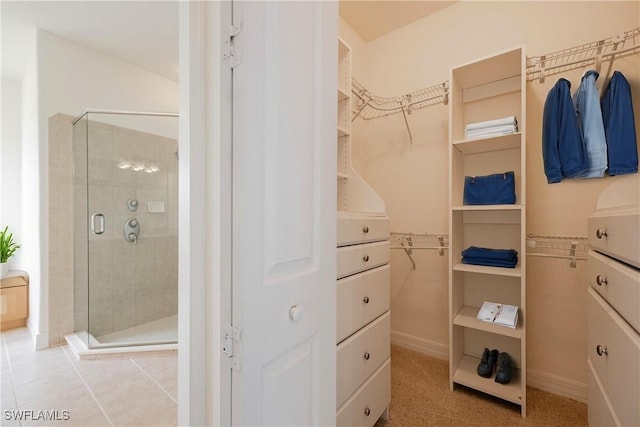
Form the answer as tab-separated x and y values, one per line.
284	212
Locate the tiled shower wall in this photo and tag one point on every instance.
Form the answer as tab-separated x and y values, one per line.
128	283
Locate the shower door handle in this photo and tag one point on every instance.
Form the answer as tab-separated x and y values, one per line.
100	228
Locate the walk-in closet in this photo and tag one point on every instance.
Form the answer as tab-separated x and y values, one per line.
488	213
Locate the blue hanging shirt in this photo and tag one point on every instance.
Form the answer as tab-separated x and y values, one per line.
619	126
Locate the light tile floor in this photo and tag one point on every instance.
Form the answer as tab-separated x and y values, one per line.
132	391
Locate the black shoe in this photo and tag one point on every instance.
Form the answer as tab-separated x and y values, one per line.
488	363
503	376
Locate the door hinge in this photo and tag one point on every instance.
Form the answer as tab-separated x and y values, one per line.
231	52
231	334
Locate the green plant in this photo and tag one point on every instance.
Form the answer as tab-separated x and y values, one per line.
7	245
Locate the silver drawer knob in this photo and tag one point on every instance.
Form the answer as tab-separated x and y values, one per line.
601	232
601	350
367	411
365	300
365	258
601	280
366	355
365	229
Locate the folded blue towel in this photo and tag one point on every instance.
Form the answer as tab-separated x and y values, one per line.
490	262
474	255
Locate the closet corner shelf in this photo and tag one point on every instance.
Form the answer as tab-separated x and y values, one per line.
466	317
342	94
466	375
494	143
481	269
343	132
487	208
342	175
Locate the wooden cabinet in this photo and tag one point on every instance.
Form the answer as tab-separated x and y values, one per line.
487	89
363	296
14	301
613	310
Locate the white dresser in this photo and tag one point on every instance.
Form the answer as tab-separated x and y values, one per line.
363	319
613	270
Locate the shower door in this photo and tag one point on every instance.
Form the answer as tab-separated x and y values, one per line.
132	241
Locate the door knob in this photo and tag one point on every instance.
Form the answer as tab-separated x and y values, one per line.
601	350
295	313
601	280
601	232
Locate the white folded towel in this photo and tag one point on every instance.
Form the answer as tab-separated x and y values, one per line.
493	131
510	120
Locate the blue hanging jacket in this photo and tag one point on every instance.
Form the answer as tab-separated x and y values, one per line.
619	126
587	104
563	149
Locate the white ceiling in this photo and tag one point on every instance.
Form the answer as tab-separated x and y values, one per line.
142	33
372	19
145	33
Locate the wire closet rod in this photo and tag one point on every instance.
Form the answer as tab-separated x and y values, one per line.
370	106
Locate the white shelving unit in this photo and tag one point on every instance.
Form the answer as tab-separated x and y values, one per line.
486	89
363	317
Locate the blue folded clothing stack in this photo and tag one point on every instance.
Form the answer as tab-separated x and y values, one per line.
490	257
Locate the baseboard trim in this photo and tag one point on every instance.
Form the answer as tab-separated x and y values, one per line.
559	386
421	345
550	383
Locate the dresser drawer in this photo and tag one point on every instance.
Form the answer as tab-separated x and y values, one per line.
616	233
600	412
369	402
614	352
361	298
618	284
361	354
353	229
357	258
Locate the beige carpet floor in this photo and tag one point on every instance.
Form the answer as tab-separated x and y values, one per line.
420	396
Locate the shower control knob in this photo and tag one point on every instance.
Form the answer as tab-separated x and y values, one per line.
133	222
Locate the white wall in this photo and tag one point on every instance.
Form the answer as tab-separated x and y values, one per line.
413	178
71	78
32	218
10	164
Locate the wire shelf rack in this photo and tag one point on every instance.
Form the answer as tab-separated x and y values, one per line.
560	247
414	241
369	106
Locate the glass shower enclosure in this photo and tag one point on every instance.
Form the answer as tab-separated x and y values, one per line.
126	228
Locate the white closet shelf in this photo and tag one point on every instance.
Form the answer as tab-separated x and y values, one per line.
494	143
467	375
466	317
495	271
343	132
343	94
487	208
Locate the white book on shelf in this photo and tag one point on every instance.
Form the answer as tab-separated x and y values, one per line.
499	314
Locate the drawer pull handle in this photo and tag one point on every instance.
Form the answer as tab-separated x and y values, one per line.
601	350
365	300
365	229
601	232
601	280
367	411
366	355
365	258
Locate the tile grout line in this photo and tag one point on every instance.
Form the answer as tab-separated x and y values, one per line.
13	380
88	388
155	382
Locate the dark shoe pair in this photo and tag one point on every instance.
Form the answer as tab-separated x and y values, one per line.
488	363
